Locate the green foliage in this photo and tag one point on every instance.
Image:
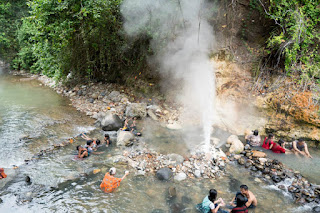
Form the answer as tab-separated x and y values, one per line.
83	38
297	37
10	13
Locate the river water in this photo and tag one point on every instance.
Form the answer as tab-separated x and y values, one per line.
62	184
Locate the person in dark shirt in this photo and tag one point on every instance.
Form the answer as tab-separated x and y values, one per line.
241	204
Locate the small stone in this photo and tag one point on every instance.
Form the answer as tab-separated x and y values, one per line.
197	173
91	100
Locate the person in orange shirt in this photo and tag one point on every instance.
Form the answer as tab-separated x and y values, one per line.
109	182
2	174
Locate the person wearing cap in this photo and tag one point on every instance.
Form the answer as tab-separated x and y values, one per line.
2	174
254	139
109	182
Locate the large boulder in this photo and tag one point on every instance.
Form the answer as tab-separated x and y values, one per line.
164	174
136	110
236	145
124	138
111	122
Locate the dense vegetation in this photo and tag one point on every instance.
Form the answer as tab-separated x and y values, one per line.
85	38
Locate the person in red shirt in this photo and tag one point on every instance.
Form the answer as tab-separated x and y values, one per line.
109	182
2	174
277	148
241	204
268	141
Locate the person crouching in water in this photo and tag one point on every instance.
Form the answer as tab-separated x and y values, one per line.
268	141
241	204
210	204
251	200
300	147
254	139
2	174
82	152
109	182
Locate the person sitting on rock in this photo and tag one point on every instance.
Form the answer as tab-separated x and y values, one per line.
109	182
133	128
241	204
300	147
254	139
2	174
210	204
82	152
268	141
277	147
126	126
107	140
251	200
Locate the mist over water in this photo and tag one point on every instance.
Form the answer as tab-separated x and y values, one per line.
181	39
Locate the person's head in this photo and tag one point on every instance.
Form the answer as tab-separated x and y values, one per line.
107	136
112	171
78	147
280	142
212	195
255	132
241	200
270	136
300	140
98	142
89	142
244	189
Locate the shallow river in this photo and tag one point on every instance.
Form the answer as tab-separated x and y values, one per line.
62	184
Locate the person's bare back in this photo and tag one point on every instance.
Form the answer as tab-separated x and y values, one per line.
252	200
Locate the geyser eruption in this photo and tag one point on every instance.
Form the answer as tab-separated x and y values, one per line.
181	39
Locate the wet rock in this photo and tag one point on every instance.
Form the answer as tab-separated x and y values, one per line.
91	100
1	201
152	115
28	180
266	171
263	161
247	147
276	178
172	191
140	173
282	187
164	174
254	169
177	208
125	138
138	110
248	164
309	199
180	176
111	122
316	209
241	161
259	167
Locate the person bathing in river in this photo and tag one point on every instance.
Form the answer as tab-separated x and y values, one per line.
109	182
278	147
251	200
300	147
241	204
254	139
95	142
210	204
82	152
107	140
268	141
133	128
2	174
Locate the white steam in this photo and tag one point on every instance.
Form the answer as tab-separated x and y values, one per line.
182	40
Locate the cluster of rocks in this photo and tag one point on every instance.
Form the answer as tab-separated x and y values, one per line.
175	166
274	172
96	98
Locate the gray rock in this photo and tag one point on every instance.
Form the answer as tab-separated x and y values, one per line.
124	138
164	174
177	158
95	95
114	96
91	100
80	93
180	176
316	209
197	173
137	110
152	115
111	122
140	173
